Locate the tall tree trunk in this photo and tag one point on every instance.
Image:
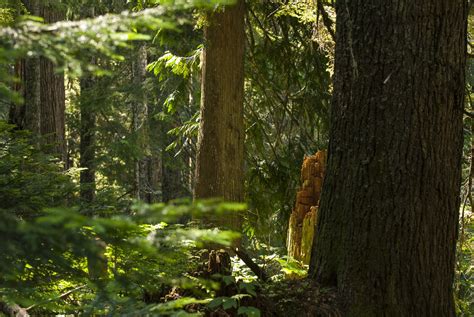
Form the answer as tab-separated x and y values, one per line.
43	92
387	225
219	166
96	261
154	161
152	174
53	97
140	123
87	139
27	115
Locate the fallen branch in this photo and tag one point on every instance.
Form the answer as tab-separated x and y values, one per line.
251	264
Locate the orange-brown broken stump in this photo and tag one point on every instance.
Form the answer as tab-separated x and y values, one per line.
303	217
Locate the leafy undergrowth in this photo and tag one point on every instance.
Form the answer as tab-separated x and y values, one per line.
286	293
283	298
464	283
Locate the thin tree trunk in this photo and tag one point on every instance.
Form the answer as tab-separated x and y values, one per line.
154	158
97	262
140	122
87	141
219	166
171	177
387	227
152	176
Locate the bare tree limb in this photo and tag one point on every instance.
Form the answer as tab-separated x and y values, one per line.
251	264
62	296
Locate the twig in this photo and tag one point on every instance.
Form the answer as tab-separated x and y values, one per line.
62	296
326	20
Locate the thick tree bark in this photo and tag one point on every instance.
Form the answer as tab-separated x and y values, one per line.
53	96
219	166
27	115
387	225
43	92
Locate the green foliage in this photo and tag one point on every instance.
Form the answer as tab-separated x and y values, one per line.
30	180
248	311
302	10
64	42
181	66
238	302
45	252
71	44
174	308
464	281
293	268
57	244
464	286
287	110
9	11
49	246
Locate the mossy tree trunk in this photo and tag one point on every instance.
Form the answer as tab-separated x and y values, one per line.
387	224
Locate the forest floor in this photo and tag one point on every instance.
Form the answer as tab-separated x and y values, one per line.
294	297
299	297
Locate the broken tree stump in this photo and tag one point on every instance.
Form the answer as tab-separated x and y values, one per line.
303	217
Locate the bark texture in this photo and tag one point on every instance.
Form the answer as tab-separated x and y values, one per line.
142	186
219	166
387	225
53	96
43	92
27	115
